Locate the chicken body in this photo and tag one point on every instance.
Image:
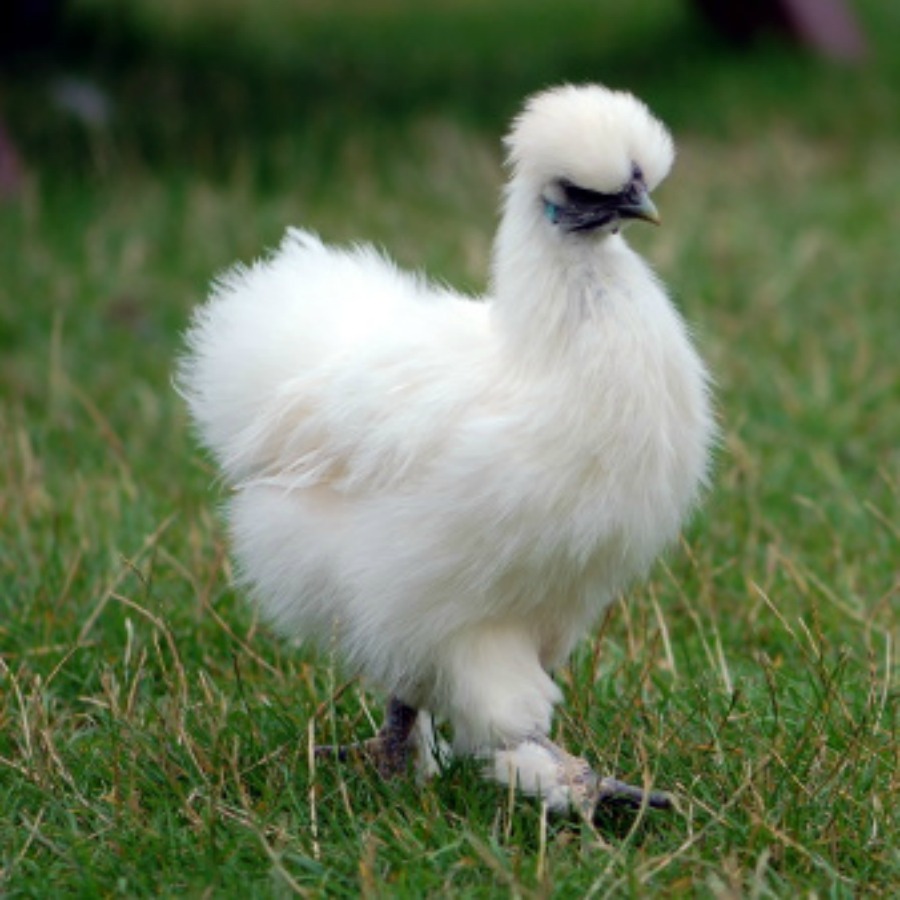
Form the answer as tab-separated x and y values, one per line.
451	490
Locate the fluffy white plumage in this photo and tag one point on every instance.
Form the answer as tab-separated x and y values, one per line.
451	490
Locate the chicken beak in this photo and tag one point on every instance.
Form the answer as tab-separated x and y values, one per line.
643	208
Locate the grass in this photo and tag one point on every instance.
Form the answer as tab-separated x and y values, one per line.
154	740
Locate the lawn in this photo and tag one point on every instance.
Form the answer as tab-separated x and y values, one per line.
154	739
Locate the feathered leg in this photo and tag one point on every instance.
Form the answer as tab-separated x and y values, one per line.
501	702
541	768
536	765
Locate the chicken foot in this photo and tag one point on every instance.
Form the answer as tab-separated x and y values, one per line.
391	750
537	766
566	782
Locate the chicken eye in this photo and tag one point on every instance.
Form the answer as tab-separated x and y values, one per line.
579	196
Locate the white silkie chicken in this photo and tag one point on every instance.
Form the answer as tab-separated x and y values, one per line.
450	491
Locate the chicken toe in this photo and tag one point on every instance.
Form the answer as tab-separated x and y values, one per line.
391	751
565	782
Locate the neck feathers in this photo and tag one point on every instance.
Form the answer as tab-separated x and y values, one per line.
551	292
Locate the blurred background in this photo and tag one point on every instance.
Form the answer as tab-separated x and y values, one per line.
188	133
146	145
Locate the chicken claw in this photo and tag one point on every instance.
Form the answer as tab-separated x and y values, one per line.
613	791
568	783
390	751
537	765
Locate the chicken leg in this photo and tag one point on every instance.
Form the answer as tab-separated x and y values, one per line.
589	791
391	750
565	782
537	766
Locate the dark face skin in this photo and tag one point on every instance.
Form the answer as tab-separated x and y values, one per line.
579	209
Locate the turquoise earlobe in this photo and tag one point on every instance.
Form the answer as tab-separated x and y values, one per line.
551	211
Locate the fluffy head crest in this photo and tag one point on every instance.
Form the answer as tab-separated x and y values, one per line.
588	135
